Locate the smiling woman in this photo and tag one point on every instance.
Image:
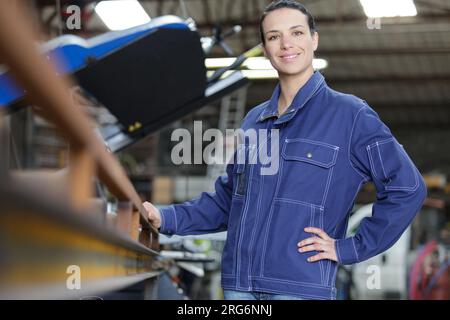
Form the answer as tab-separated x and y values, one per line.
286	231
289	40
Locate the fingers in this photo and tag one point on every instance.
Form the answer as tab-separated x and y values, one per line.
313	247
320	256
325	245
153	214
311	241
317	231
148	206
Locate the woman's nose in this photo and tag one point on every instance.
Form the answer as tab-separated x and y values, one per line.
286	43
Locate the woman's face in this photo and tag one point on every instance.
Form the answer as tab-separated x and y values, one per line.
289	44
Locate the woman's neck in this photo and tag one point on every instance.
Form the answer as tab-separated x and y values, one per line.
289	86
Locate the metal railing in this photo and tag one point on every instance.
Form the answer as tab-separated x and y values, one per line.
88	155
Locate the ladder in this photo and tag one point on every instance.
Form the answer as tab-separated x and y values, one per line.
232	111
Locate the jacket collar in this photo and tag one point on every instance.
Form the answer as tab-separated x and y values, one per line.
314	83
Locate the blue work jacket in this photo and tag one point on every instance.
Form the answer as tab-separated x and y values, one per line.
330	145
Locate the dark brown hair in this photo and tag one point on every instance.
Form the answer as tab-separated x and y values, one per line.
292	4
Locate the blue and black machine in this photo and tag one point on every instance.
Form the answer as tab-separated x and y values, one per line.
146	76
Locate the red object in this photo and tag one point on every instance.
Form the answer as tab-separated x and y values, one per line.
429	277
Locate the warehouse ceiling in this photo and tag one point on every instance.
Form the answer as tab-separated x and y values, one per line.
400	66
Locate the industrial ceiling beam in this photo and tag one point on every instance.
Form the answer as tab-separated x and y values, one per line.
355	19
381	51
419	79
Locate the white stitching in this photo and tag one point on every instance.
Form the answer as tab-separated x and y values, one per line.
381	162
349	145
256	225
372	166
353	200
263	107
384	141
321	262
228	275
248	190
176	222
307	99
320	143
327	187
336	245
303	159
406	188
354	248
162	220
327	274
264	248
299	295
306	284
306	204
333	278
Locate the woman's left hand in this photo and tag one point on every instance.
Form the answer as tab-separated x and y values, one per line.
323	243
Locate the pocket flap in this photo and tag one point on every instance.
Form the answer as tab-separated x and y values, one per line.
314	152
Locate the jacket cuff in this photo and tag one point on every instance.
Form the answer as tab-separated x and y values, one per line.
168	221
346	251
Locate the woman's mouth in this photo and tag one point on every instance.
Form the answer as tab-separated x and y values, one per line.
289	57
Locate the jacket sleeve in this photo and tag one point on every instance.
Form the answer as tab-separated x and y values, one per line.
207	213
400	189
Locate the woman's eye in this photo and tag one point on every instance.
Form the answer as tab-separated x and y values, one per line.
272	38
297	33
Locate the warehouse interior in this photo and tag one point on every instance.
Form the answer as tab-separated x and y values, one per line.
85	140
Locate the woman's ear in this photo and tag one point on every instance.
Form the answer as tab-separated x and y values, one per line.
315	37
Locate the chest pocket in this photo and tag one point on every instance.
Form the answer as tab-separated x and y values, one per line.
306	170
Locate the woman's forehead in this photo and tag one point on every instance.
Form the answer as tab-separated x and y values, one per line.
284	18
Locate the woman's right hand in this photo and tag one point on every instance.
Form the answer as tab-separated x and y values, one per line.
154	216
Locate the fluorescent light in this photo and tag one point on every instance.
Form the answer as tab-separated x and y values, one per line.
258	63
255	63
319	64
214	63
252	74
260	74
121	14
388	8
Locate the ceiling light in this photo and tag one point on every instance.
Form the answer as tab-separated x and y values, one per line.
215	63
388	8
121	14
255	63
319	64
252	74
258	63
